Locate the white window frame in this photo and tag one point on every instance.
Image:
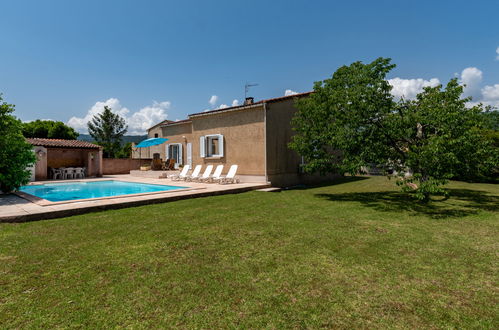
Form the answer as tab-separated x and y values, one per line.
204	146
179	160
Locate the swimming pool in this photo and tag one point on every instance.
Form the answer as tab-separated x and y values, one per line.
58	192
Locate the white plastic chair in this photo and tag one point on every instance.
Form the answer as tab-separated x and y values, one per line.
57	173
182	175
206	175
78	173
68	173
194	174
216	175
230	177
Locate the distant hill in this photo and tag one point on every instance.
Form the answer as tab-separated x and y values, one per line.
126	138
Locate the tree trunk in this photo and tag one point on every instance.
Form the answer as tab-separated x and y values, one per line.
426	194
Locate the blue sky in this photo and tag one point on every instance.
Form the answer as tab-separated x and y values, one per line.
151	59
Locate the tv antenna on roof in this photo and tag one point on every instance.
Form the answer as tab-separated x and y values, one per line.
246	89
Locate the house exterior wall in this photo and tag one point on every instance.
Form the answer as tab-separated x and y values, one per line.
280	158
283	163
41	163
243	132
244	137
179	133
173	133
66	157
256	138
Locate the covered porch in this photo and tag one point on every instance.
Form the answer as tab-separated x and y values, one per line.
56	154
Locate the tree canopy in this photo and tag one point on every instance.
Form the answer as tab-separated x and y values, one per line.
107	129
16	155
48	129
352	121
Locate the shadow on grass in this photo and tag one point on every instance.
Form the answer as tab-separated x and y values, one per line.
332	182
461	202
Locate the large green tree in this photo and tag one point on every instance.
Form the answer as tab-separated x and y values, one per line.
16	155
107	129
125	151
352	120
48	129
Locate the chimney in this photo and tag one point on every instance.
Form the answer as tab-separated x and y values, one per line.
249	100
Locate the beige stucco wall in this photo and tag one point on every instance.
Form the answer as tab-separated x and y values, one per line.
173	133
283	163
41	163
258	143
280	158
243	132
177	133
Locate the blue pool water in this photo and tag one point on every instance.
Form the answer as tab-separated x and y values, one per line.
57	192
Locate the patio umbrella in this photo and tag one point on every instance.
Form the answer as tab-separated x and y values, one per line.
149	143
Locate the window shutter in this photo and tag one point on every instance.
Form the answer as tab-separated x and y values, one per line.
220	145
202	146
167	151
180	160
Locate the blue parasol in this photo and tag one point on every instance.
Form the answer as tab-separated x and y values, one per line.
151	142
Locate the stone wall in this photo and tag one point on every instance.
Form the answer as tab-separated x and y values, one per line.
122	165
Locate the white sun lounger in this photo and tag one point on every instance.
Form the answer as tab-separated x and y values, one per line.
206	175
195	174
182	175
230	177
216	175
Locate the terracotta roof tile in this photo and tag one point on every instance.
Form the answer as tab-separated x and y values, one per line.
171	123
281	98
275	99
161	123
59	143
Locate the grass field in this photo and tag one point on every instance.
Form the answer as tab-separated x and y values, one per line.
354	254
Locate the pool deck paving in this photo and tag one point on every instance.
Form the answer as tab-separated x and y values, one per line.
22	208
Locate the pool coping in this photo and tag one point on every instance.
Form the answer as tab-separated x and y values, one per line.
44	202
31	210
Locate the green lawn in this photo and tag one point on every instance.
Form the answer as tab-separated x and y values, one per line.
354	254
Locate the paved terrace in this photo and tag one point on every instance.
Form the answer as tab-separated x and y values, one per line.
14	208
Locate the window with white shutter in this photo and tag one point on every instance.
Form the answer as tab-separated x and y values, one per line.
220	145
202	146
214	145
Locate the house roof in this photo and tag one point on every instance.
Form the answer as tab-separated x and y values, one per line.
238	107
246	106
282	98
164	122
59	143
177	122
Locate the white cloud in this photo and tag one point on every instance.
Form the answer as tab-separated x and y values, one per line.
472	78
491	92
146	117
138	122
213	100
497	52
409	88
490	96
289	92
